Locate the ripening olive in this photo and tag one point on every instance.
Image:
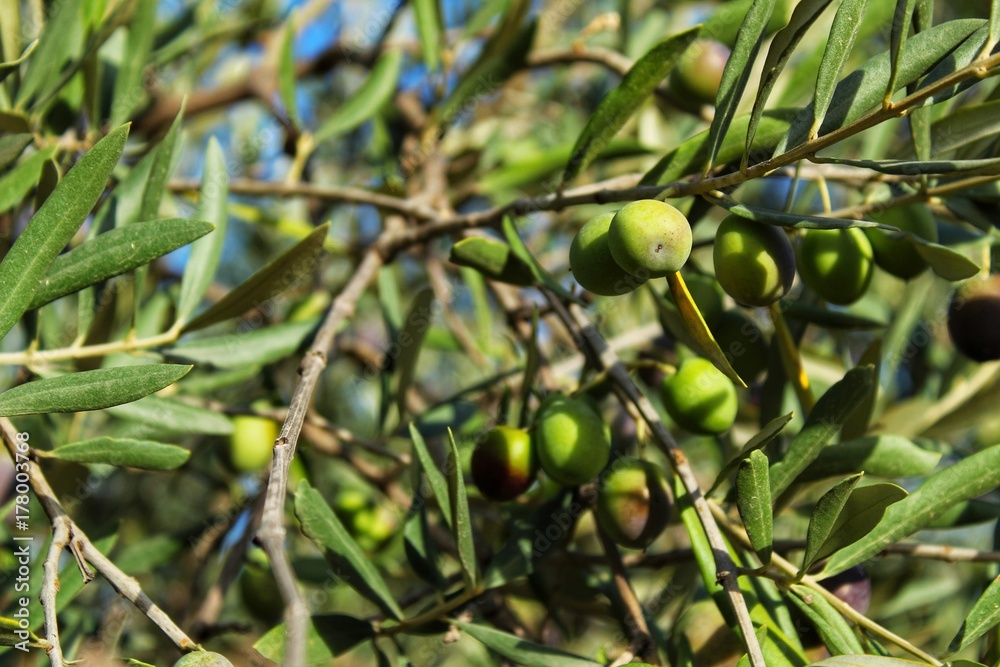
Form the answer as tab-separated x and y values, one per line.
252	442
974	319
896	255
592	264
649	237
203	659
259	590
572	444
743	343
700	398
370	524
698	71
505	464
754	262
836	263
852	586
633	503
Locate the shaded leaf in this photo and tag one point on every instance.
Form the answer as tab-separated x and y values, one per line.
53	225
836	633
944	262
794	220
327	636
411	339
47	181
766	435
522	651
61	39
901	19
521	252
825	420
18	182
436	479
911	167
115	252
984	615
828	318
174	416
205	253
865	661
493	259
322	526
260	346
12	145
843	33
421	550
278	275
8	68
366	100
753	499
427	15
461	520
969	478
880	455
144	454
89	390
823	518
619	105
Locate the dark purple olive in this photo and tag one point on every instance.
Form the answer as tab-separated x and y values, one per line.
974	320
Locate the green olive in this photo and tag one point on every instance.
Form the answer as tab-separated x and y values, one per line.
700	398
633	503
698	71
896	255
203	659
571	440
743	343
974	319
754	262
505	464
836	263
709	639
370	524
258	588
592	264
649	238
252	442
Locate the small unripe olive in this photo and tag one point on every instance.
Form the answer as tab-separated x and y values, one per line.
251	444
650	237
571	440
836	263
700	398
895	255
369	523
633	503
505	464
203	659
592	264
698	71
259	590
754	262
974	319
743	343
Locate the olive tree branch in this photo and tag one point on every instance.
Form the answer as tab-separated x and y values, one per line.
589	340
635	619
67	533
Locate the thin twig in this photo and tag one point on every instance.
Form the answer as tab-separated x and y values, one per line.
635	619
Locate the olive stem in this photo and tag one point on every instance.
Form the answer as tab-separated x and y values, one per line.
431	614
791	359
812	583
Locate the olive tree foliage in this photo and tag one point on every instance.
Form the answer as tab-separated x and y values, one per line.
270	275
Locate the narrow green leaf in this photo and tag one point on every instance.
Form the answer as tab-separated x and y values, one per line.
736	75
782	46
969	478
286	72
865	661
11	147
411	340
493	259
18	182
113	253
8	68
260	346
367	100
322	526
828	318
823	518
753	500
879	455
430	27
826	419
944	262
436	479
901	19
766	435
983	616
130	90
776	649
89	390
794	220
863	90
9	629
836	634
620	104
521	252
327	636
522	651
205	253
843	34
461	520
53	225
278	275
994	23
159	172
690	156
967	513
47	181
698	330
124	452
421	550
920	166
174	416
61	40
